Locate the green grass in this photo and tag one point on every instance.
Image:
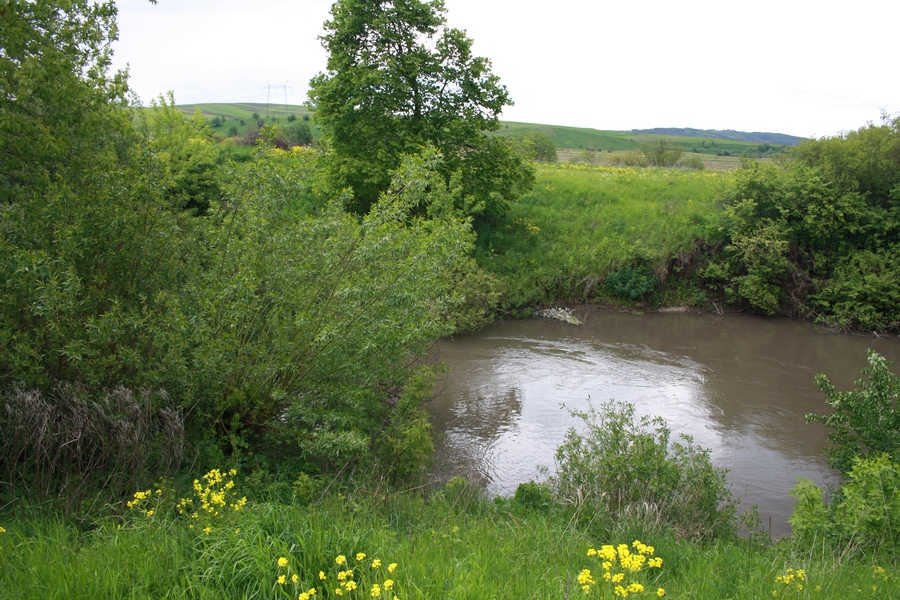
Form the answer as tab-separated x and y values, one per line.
580	223
453	545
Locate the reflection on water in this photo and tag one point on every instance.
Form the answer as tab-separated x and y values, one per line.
738	385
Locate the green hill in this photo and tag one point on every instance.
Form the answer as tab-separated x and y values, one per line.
239	117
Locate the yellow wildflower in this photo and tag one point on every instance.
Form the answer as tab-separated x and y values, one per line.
376	591
376	563
360	556
2	530
388	584
295	578
341	559
660	592
282	562
322	575
282	580
391	567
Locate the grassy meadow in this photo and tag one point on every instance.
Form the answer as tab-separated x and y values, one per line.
370	542
580	223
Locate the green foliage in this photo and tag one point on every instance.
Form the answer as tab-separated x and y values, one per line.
863	517
263	314
816	236
863	291
662	154
399	79
58	119
864	514
624	466
184	156
479	294
540	146
297	134
866	420
630	283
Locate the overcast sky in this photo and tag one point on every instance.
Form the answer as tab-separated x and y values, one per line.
804	67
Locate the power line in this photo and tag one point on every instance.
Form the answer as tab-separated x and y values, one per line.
269	89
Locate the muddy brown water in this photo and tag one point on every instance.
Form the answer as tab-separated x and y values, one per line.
739	385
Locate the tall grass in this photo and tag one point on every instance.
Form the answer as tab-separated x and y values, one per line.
580	223
453	545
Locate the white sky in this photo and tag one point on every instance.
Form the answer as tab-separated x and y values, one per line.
804	67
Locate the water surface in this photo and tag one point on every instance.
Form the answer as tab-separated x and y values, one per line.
739	385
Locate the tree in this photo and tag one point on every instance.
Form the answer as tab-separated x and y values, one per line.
58	116
399	79
540	146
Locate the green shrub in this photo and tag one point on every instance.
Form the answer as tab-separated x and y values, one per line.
864	516
622	466
866	420
630	283
863	292
864	513
693	162
663	154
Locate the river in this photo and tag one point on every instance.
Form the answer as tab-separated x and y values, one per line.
739	385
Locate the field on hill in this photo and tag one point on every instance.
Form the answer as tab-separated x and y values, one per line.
575	144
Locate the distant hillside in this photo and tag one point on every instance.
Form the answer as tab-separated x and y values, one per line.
756	137
239	118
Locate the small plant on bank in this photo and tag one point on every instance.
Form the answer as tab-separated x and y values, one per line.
623	466
866	420
629	283
863	516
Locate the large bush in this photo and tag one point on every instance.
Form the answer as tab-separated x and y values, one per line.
623	466
817	236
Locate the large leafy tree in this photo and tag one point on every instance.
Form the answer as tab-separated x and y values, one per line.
57	95
399	79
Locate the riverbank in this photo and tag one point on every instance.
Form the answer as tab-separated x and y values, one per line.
450	545
604	235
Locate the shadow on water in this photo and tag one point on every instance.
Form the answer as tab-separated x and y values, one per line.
739	385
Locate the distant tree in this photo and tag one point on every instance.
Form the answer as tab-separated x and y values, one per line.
662	154
291	118
297	134
399	79
255	116
540	146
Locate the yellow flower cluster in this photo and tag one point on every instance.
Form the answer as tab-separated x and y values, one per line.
293	578
213	495
616	562
143	498
348	580
2	530
792	580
